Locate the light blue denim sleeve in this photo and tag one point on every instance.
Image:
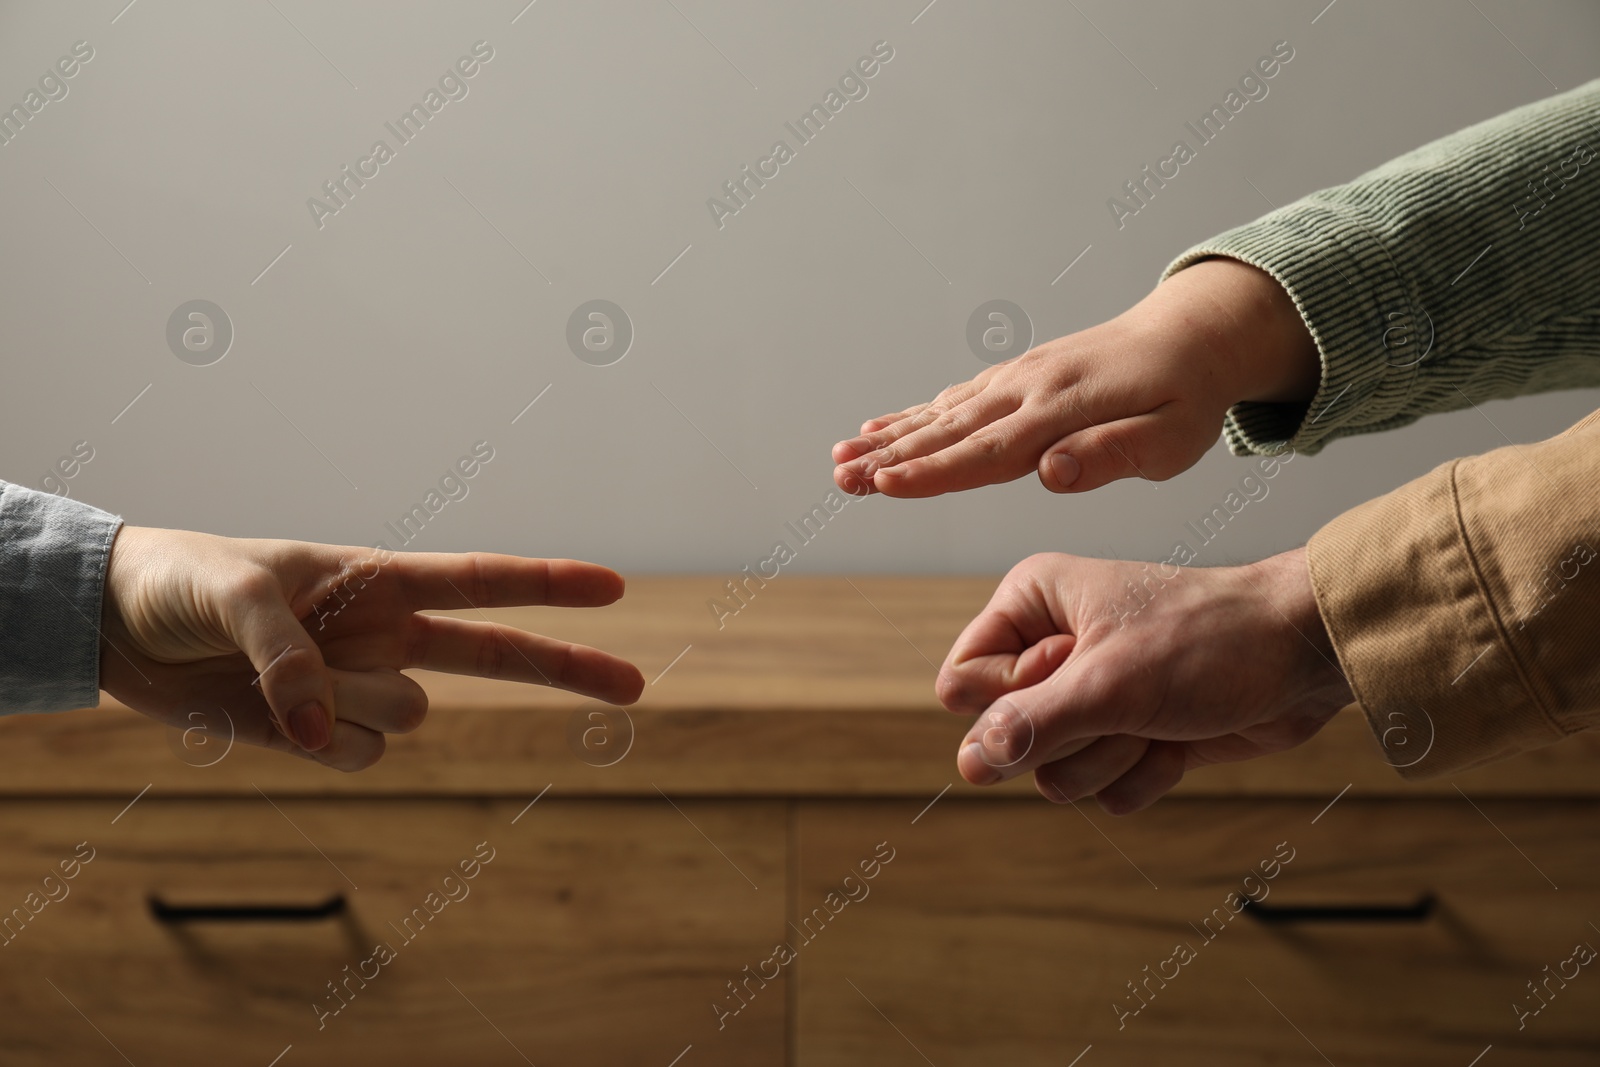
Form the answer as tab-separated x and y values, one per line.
53	556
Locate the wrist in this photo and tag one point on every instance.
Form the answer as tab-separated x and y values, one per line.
1250	327
122	566
1285	580
110	618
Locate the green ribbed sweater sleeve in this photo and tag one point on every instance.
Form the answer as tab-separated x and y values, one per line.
1464	271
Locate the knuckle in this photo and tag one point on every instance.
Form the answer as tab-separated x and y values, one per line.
1007	736
564	669
1119	449
1034	564
987	443
1058	784
1099	438
950	688
253	584
482	591
291	671
414	642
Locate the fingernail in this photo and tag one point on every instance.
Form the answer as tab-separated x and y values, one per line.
1065	469
308	725
988	774
852	482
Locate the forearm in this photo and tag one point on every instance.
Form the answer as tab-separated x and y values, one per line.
1254	334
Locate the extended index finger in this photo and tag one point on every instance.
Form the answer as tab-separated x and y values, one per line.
493	580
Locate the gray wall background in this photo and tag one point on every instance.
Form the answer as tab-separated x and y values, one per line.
430	311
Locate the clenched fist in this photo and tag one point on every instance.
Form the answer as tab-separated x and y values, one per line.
1111	679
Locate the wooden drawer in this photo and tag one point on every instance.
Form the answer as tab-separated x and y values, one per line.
1006	933
598	932
609	926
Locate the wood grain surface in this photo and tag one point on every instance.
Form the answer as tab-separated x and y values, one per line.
1008	933
817	687
599	932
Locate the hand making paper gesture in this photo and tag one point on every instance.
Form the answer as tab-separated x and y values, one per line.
1140	396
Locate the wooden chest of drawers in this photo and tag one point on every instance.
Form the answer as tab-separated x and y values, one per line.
769	860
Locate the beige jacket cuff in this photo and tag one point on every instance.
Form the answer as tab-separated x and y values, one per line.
1463	606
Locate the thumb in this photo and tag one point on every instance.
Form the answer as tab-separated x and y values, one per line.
970	685
1135	447
1036	725
289	665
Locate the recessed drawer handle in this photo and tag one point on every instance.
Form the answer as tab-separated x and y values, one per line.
245	913
1343	913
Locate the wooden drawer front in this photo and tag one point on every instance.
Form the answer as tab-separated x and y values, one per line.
1005	933
598	933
